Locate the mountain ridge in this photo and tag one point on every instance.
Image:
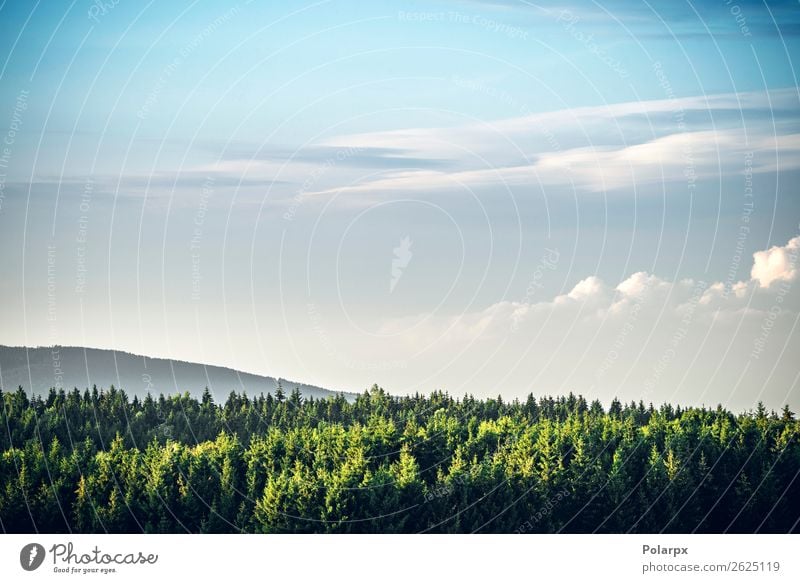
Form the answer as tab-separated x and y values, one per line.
40	368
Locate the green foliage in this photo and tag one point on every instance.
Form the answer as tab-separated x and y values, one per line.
99	462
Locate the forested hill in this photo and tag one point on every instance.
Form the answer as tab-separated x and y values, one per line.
39	369
96	461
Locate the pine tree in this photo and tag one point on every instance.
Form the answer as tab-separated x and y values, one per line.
280	396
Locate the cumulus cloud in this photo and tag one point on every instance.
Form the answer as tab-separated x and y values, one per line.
687	341
776	263
588	288
637	283
594	301
779	263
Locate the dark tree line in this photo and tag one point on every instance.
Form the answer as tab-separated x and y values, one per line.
97	461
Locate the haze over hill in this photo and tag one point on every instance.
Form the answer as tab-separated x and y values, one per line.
38	369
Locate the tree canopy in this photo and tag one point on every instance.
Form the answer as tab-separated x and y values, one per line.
96	461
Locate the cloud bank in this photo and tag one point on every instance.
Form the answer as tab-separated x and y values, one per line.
687	341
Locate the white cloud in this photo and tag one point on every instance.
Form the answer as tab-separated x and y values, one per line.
591	287
638	283
592	149
776	263
686	341
584	150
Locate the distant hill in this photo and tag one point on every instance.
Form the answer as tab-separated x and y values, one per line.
70	366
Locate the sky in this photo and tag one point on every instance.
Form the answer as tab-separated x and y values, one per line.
482	197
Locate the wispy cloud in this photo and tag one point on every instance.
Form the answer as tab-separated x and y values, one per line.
608	148
666	19
592	149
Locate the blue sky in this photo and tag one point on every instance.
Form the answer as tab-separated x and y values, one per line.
233	183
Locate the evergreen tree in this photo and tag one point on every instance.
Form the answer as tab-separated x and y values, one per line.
378	463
